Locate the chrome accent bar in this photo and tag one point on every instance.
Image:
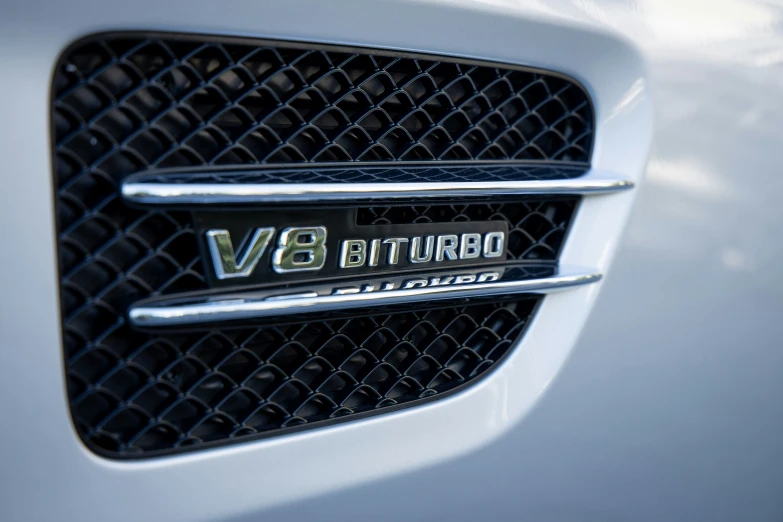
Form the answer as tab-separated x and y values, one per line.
147	191
320	297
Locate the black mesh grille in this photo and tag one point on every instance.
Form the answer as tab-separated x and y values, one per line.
143	393
123	105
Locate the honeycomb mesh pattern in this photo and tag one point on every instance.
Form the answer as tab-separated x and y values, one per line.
145	393
134	103
112	256
123	105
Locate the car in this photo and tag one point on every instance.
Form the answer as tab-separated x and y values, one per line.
391	260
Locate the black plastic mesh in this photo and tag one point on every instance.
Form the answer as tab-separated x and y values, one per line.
126	104
123	105
112	256
144	393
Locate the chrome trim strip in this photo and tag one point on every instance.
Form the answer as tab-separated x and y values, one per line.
239	307
161	193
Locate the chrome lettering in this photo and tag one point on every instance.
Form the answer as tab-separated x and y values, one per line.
494	243
446	248
470	246
300	249
393	252
419	255
375	252
224	259
353	253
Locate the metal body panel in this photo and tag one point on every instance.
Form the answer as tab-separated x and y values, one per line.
668	408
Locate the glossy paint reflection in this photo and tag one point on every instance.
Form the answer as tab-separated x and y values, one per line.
668	407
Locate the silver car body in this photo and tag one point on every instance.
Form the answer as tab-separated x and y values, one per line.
652	395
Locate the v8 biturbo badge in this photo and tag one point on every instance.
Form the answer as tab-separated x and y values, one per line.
261	247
